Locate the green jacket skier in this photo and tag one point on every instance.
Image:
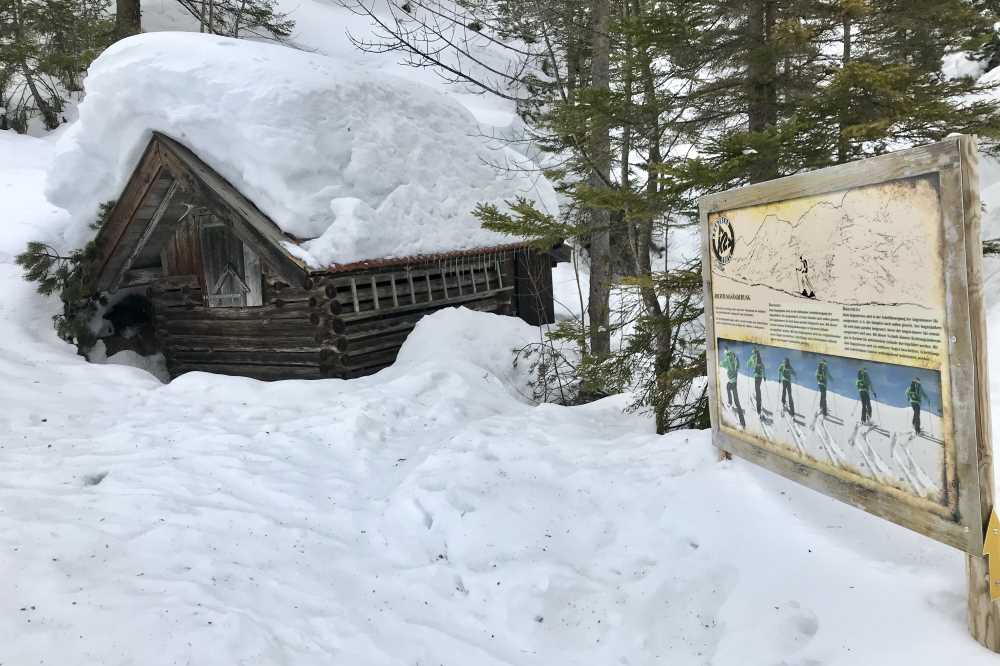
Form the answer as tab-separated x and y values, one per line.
756	365
732	366
865	393
822	377
916	395
786	373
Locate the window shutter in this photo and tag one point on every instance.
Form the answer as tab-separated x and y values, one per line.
232	271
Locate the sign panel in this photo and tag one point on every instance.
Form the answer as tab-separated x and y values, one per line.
845	343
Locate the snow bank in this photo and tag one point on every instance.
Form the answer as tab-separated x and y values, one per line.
361	163
425	515
25	214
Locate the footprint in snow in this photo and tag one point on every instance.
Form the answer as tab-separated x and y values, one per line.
93	479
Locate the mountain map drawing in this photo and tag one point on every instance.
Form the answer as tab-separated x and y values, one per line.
874	245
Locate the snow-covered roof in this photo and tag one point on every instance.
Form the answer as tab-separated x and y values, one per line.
356	164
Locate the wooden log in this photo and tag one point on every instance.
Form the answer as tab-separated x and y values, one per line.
340	373
373	327
364	360
242	357
352	363
168	282
262	327
280	301
375	343
330	356
289	312
263	372
171	305
174	341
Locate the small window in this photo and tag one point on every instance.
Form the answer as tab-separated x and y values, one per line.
232	270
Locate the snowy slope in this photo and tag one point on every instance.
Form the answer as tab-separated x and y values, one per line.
364	164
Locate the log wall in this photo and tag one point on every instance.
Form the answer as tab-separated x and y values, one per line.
335	325
373	311
277	340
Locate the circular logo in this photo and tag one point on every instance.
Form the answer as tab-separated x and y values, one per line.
723	240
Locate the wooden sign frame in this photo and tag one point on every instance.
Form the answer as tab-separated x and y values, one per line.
954	161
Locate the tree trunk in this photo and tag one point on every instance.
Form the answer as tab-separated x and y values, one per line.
127	18
762	97
843	145
48	113
600	175
624	244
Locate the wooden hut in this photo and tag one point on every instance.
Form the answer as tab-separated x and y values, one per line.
220	288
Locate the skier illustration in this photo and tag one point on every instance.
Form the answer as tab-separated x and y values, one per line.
785	373
732	366
822	378
756	364
865	390
916	395
803	269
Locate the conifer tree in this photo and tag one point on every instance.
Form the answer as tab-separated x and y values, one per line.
44	48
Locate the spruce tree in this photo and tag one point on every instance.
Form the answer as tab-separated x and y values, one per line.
888	88
44	48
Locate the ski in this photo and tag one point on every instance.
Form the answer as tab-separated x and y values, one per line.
914	475
930	438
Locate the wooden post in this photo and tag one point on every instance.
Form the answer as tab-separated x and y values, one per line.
984	612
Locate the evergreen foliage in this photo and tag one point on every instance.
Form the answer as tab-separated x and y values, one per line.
241	18
45	46
711	94
69	277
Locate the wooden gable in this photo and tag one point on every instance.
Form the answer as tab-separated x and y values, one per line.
154	211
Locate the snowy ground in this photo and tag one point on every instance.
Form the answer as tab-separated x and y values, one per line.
426	515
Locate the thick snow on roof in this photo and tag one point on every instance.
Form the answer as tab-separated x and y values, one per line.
361	163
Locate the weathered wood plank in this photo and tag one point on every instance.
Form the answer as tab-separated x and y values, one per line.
534	294
924	159
176	341
246	357
352	348
366	360
982	612
138	277
253	371
146	232
240	327
177	281
430	306
291	311
142	178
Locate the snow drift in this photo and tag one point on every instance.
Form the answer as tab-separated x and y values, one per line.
357	163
